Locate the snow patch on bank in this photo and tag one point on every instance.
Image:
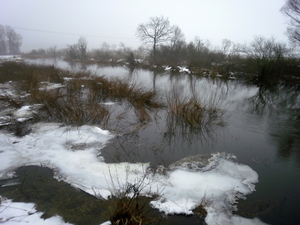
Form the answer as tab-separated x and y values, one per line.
16	58
75	155
19	213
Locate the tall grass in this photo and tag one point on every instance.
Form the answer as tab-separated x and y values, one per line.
68	109
29	76
190	112
77	100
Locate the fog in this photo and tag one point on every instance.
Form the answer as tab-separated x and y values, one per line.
58	23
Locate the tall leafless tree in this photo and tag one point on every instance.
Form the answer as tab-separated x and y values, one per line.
14	40
3	46
177	38
78	50
82	47
292	10
52	52
157	31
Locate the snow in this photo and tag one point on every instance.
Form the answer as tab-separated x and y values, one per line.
5	120
108	103
216	186
183	69
75	155
10	58
18	213
50	86
24	111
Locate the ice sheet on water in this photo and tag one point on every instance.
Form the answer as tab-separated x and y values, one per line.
216	185
74	153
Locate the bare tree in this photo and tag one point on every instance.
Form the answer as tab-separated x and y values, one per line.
266	57
14	40
78	51
157	31
177	38
82	46
72	51
292	10
226	44
51	51
3	46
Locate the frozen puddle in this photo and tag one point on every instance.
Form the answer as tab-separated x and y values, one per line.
74	154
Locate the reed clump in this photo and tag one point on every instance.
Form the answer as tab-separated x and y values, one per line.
132	211
190	112
129	207
29	76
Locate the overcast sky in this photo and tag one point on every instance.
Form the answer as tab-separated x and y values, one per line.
45	23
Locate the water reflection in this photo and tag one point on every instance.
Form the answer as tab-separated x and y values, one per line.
282	105
286	133
77	66
157	143
270	99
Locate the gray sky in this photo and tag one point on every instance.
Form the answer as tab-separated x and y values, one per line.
45	23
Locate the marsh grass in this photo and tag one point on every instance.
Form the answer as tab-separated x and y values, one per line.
78	97
100	89
133	210
190	113
190	116
29	76
68	109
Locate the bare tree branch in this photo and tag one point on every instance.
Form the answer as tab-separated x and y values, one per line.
292	10
157	31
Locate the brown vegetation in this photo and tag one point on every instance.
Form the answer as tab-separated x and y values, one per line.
74	98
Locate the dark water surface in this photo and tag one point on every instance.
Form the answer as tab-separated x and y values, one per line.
261	126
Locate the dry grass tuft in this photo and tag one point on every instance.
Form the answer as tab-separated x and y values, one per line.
130	208
69	109
190	112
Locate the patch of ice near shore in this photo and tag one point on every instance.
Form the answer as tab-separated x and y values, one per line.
19	213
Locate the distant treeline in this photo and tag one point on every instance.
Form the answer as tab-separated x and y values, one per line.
262	61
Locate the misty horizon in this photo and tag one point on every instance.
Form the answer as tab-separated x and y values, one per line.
56	23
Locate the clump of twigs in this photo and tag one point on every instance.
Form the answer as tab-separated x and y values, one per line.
130	208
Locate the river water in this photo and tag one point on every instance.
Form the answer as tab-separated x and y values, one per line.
261	126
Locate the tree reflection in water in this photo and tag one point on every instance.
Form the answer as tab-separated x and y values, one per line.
282	104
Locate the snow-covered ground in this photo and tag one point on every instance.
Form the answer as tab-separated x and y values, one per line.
10	58
19	213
